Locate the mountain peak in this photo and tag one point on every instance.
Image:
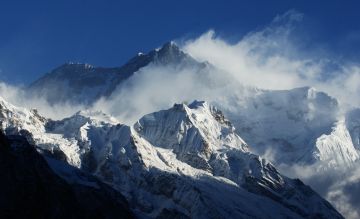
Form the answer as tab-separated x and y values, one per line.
170	53
196	103
85	83
171	45
169	156
194	129
97	116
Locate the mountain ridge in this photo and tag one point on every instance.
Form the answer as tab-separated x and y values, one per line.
296	128
300	127
89	83
161	177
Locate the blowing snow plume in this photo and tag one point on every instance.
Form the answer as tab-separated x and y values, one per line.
239	78
275	58
271	58
18	96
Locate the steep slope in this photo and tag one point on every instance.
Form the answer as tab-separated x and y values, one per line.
193	132
83	83
298	126
31	189
86	81
182	162
336	149
28	123
352	121
219	151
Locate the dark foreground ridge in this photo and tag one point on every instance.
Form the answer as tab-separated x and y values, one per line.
30	189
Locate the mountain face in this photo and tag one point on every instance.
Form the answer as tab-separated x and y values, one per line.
192	147
31	189
184	162
352	122
298	126
84	84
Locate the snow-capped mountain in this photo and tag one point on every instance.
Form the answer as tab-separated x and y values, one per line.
301	126
186	161
298	127
84	83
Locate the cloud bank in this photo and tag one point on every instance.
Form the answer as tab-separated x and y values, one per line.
270	58
273	58
340	186
17	95
158	87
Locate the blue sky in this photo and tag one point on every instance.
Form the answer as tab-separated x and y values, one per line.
37	36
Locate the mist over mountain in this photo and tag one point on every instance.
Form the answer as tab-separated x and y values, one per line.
186	161
84	84
201	128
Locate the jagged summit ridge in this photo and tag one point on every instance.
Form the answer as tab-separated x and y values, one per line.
170	53
200	132
296	118
83	83
168	159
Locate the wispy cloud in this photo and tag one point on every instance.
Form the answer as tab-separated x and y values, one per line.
340	186
17	95
268	58
272	59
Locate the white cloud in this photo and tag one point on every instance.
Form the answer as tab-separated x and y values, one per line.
270	59
340	186
158	87
17	95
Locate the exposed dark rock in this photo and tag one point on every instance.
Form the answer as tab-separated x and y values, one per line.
30	188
